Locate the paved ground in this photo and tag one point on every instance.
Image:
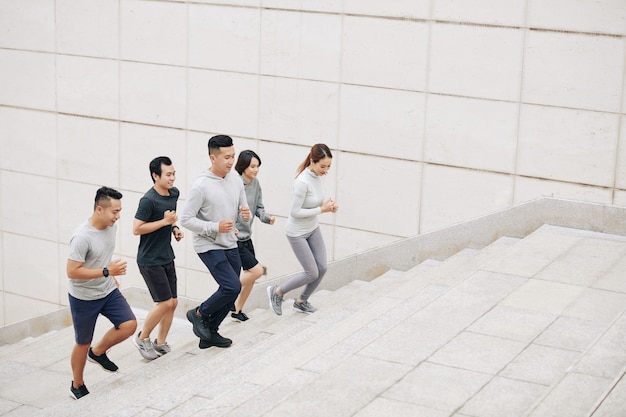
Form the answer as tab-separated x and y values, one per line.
532	327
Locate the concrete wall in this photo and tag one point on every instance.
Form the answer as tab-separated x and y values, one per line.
437	111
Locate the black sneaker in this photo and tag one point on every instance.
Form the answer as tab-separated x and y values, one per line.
216	340
103	361
200	324
79	392
241	316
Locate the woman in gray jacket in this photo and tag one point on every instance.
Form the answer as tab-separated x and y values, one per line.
247	166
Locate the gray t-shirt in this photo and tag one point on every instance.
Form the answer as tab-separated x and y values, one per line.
94	248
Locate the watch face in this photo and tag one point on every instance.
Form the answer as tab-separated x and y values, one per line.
105	272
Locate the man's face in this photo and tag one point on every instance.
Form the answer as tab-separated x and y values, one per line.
167	178
222	161
111	213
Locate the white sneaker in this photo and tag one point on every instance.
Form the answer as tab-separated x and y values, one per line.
146	347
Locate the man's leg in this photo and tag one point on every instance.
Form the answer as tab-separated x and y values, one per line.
114	336
224	265
117	310
78	360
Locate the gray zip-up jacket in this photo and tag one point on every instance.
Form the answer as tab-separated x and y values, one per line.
211	200
254	195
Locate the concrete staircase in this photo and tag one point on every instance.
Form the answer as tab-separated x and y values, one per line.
523	327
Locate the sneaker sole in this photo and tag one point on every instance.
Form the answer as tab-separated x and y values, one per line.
206	346
270	291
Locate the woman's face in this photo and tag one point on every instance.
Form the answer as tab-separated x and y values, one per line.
253	169
322	166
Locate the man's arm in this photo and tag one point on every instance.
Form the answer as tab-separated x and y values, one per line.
188	215
141	227
77	270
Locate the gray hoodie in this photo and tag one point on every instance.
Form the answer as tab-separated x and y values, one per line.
211	200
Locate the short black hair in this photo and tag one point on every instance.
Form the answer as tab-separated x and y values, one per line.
243	162
104	195
219	141
155	165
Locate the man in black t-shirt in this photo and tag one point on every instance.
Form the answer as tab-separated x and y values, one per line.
155	222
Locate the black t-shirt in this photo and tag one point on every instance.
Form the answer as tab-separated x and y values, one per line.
155	248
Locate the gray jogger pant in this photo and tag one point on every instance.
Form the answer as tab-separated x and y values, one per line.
311	253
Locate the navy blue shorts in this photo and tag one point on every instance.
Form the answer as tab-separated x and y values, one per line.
85	313
161	281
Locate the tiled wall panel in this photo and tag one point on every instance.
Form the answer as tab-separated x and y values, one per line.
436	112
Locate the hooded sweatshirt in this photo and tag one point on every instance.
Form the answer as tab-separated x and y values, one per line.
211	200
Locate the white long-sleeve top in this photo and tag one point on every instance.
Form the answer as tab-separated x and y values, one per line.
306	201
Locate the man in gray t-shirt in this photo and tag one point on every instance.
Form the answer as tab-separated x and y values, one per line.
93	288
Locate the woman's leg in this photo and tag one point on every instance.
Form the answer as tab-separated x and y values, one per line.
303	249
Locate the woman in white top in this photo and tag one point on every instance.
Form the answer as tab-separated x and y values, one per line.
303	230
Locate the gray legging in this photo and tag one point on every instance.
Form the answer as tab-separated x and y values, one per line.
311	253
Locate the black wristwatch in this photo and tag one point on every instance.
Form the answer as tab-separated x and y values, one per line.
105	271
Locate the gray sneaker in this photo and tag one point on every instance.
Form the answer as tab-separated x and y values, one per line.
162	349
145	347
304	307
276	301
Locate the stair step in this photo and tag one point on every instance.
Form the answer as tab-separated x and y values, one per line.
378	345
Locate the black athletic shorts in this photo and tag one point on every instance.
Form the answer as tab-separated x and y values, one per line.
161	281
246	253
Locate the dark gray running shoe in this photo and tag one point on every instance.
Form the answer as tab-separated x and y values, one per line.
200	324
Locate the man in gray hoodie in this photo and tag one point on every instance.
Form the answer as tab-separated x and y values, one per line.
213	204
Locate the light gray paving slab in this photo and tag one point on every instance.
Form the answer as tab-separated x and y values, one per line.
597	305
574	396
194	405
571	333
437	386
513	323
544	296
344	390
7	405
478	352
490	286
410	342
503	397
614	405
584	262
533	253
272	395
606	357
386	407
22	411
40	385
613	279
541	364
